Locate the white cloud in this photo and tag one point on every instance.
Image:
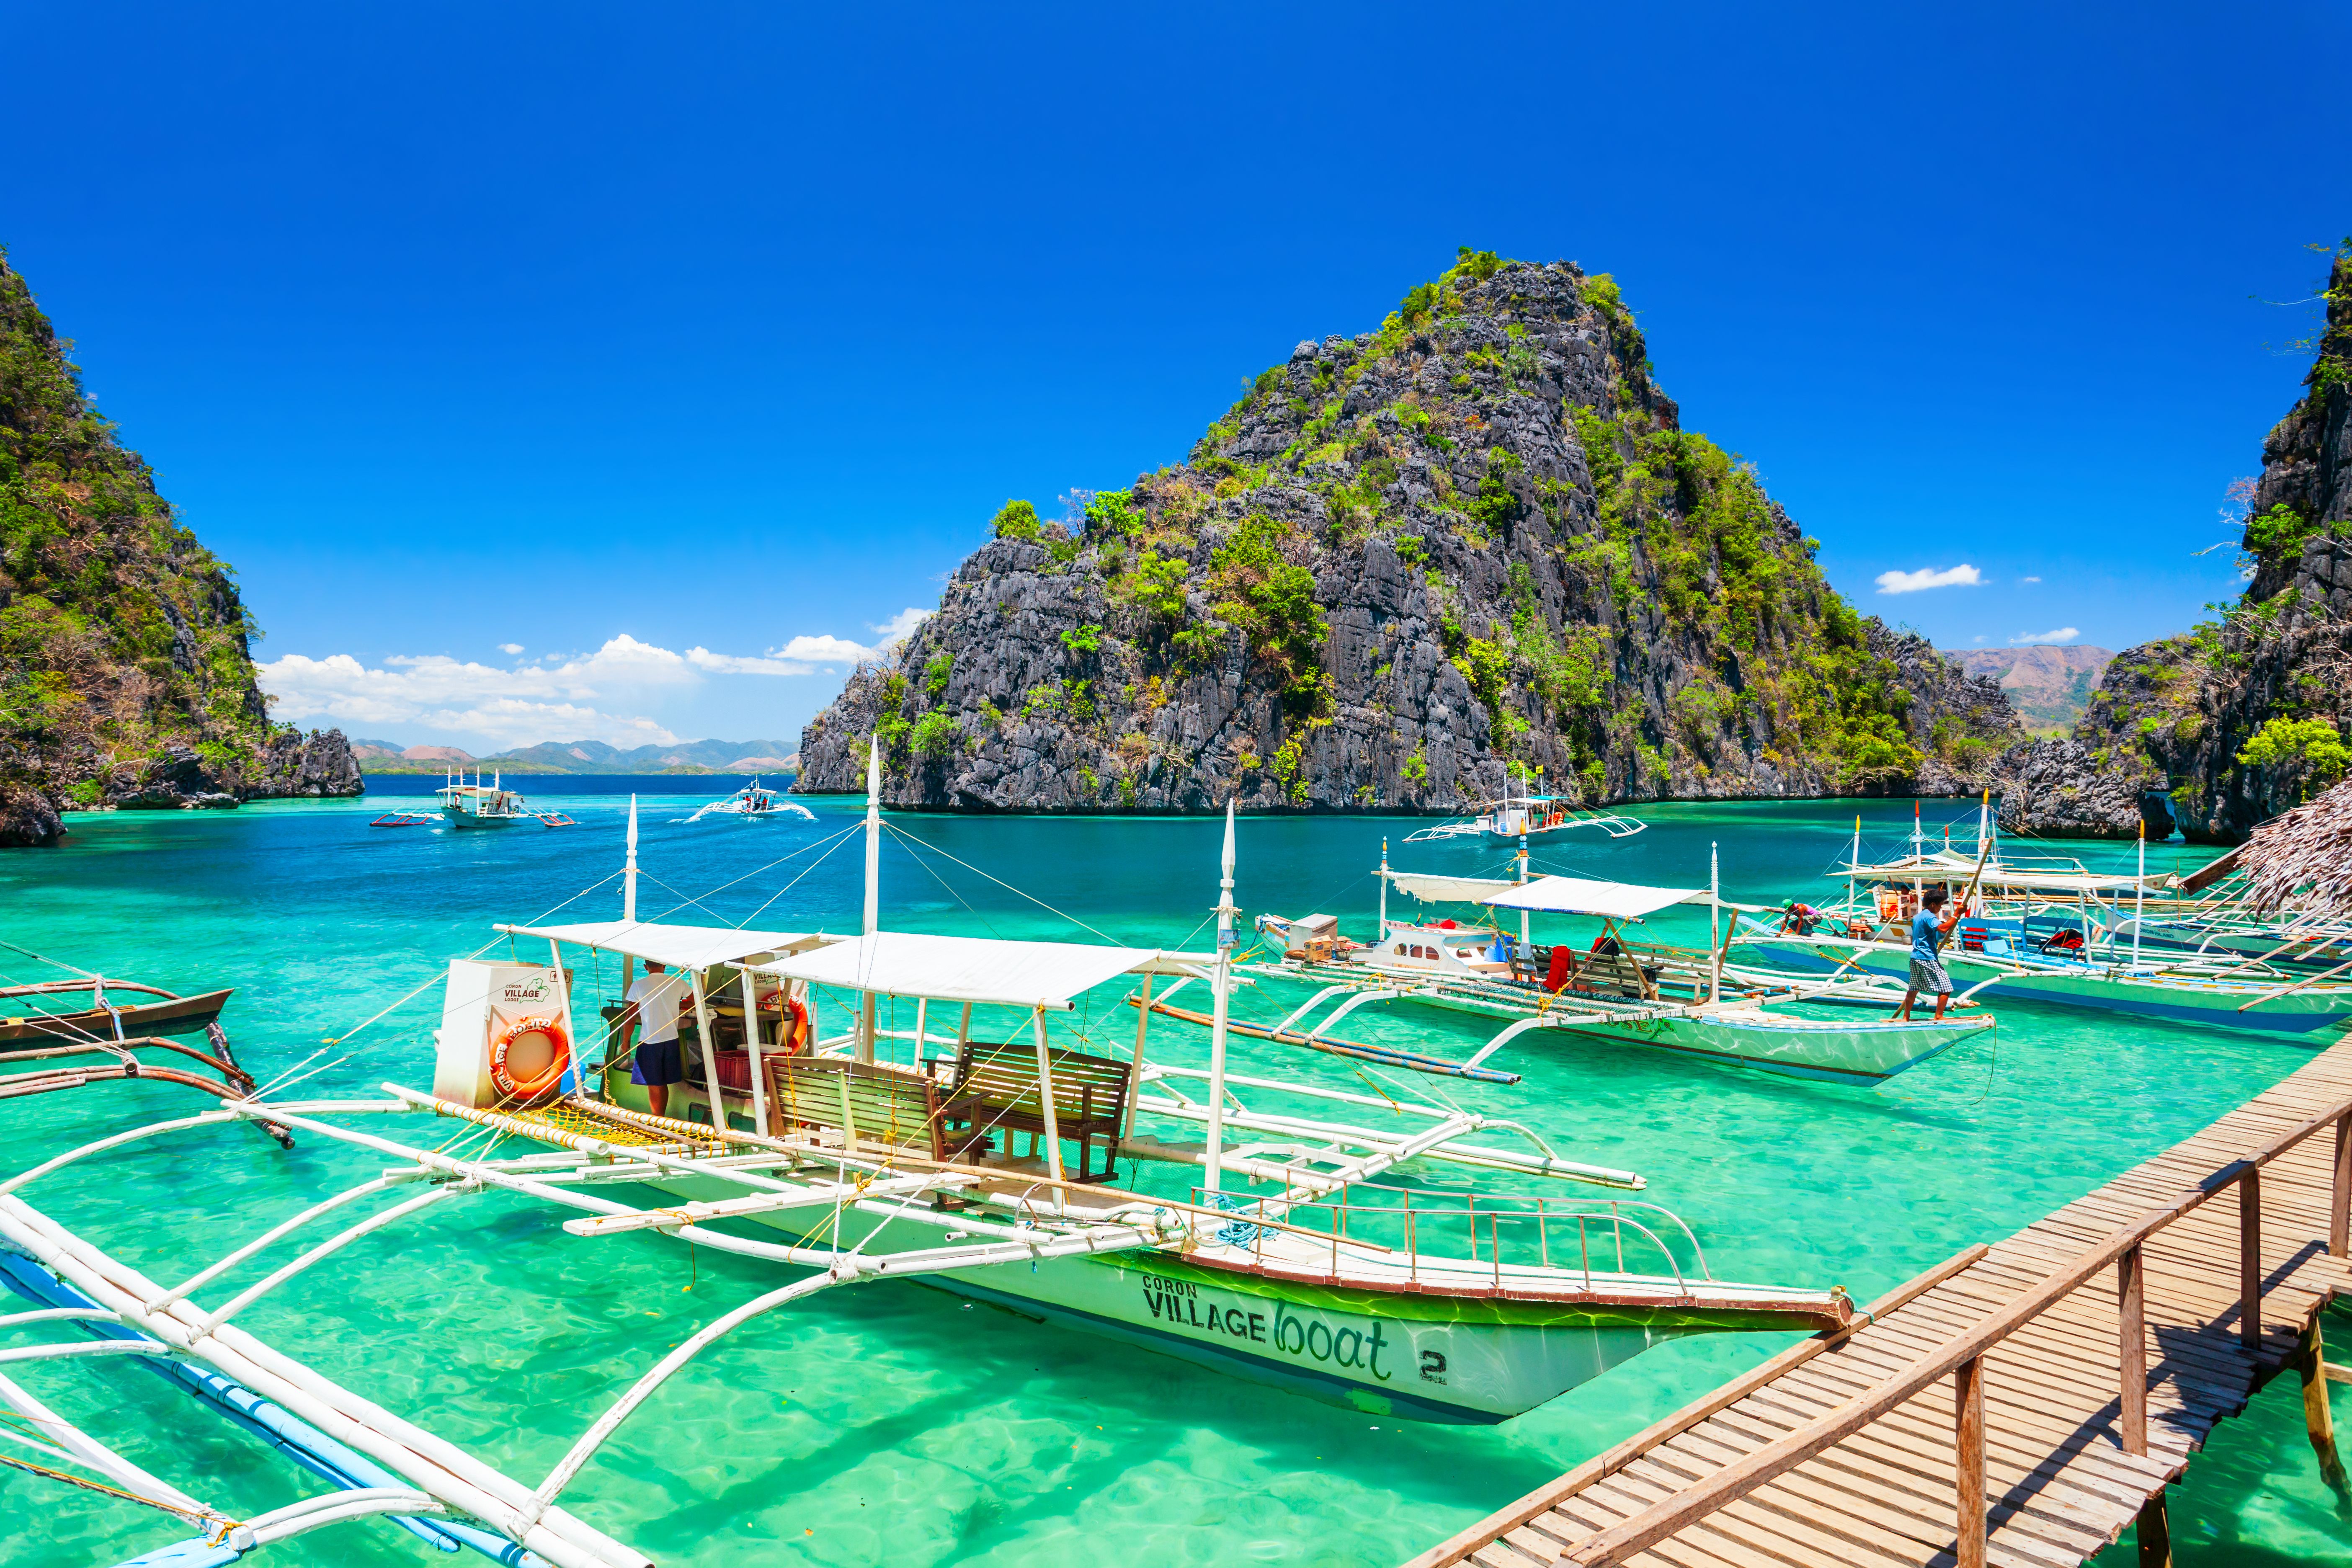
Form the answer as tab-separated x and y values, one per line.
1976	639
2029	579
582	697
510	647
735	664
1960	576
899	624
2062	635
823	651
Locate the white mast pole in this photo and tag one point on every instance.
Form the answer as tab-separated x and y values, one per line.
1854	910
1713	923
1223	982
2139	890
629	869
1523	880
874	836
1383	935
864	1048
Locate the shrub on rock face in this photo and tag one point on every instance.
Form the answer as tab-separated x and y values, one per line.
935	736
1018	520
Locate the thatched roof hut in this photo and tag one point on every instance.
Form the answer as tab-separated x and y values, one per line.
2303	857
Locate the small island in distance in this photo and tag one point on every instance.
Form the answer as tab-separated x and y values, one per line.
585	757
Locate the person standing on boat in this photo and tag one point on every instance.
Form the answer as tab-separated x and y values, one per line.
1929	927
653	1004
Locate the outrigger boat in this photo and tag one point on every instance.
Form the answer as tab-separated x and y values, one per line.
107	1016
2018	945
754	801
479	804
1522	815
1333	1283
1633	991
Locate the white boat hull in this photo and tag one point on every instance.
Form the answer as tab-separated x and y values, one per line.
1427	1357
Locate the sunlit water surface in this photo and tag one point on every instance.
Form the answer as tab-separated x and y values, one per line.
891	1422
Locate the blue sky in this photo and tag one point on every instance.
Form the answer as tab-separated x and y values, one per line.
614	333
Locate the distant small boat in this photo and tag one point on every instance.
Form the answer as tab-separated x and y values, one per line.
754	800
1525	818
479	804
168	1015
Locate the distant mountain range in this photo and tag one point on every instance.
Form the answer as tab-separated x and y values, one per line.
585	757
2049	686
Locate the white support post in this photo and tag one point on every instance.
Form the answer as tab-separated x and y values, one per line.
702	979
1523	882
964	1029
873	859
1382	934
2139	892
1046	1105
629	870
752	1042
922	1029
1223	983
569	1082
1135	1079
1713	923
862	1048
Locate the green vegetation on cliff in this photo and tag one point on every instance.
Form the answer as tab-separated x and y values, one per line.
123	642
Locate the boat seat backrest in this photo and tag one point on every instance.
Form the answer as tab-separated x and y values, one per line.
1004	1077
873	1106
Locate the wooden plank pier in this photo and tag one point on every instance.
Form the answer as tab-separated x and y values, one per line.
2018	1404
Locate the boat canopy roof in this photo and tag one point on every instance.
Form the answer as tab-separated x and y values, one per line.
1580	896
1449	889
676	947
977	969
1940	866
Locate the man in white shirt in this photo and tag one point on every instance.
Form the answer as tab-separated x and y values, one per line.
654	1004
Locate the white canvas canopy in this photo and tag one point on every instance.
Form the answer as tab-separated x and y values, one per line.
1580	896
678	947
976	969
1449	889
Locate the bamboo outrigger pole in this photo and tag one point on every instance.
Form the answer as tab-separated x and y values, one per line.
1223	982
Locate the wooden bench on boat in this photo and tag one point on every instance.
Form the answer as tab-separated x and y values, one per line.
876	1110
996	1086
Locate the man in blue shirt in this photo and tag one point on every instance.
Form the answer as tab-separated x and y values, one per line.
1929	927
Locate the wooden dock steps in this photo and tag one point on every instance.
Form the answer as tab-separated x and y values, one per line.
1988	1412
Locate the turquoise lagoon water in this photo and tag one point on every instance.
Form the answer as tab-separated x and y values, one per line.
893	1422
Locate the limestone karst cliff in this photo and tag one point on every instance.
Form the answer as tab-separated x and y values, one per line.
126	678
1474	543
2223	726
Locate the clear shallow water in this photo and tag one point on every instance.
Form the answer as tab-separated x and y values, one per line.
895	1421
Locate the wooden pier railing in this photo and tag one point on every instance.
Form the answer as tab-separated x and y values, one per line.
1827	1453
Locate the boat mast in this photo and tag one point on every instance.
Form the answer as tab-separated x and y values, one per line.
1523	881
874	836
1222	982
864	1047
1713	922
1383	933
629	869
2139	891
1853	910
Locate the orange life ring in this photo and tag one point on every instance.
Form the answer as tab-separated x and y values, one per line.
502	1074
